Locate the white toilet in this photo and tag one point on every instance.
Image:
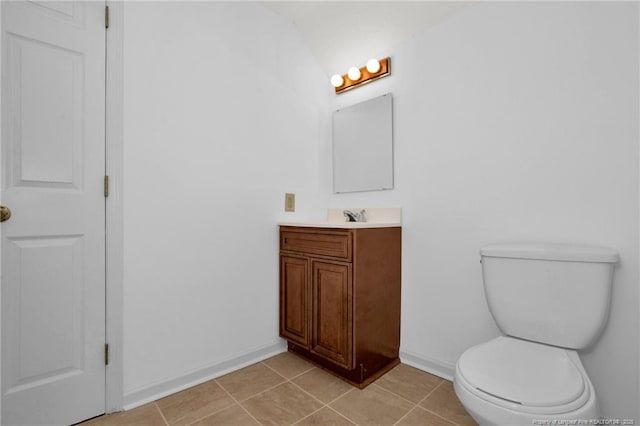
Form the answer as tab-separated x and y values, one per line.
549	300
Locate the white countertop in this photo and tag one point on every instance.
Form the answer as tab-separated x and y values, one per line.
376	218
343	225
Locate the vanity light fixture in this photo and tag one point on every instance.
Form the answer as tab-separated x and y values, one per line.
355	77
373	66
354	73
337	80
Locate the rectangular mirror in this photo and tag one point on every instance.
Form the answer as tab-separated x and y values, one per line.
363	146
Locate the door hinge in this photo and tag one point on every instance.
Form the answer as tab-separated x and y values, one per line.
106	16
106	354
106	186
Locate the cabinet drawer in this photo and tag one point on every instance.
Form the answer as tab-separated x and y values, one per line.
317	242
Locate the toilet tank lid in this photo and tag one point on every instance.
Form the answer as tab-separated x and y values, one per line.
550	251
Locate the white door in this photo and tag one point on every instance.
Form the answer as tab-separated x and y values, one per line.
53	246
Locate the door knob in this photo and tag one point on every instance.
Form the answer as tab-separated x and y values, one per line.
5	213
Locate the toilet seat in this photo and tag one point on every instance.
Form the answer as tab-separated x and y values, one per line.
524	376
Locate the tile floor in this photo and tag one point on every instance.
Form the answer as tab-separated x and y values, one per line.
286	390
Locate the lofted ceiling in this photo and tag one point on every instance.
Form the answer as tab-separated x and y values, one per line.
341	34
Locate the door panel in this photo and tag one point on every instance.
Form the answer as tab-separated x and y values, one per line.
58	333
332	315
294	297
47	130
53	247
66	10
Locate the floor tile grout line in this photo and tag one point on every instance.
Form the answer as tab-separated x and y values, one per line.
212	413
342	415
272	369
432	391
417	404
249	413
261	392
413	404
255	394
303	373
441	380
164	419
353	389
312	396
288	378
406	414
395	394
433	412
308	415
216	411
441	416
239	404
322	402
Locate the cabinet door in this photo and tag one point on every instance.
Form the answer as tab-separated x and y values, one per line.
294	299
332	313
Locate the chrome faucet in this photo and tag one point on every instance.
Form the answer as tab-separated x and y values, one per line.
354	216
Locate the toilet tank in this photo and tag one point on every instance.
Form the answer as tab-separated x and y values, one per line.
549	293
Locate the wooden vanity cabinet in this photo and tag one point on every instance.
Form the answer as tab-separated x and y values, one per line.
340	298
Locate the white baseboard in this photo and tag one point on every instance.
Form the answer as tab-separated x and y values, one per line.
421	362
171	386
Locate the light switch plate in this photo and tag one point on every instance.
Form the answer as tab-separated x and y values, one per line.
289	202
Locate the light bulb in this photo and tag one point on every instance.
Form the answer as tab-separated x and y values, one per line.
373	66
337	80
354	73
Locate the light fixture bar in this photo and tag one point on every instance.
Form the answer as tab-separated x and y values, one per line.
365	76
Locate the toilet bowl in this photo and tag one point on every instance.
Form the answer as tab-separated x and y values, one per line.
549	300
508	381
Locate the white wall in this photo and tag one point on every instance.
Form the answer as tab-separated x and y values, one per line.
221	119
513	122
